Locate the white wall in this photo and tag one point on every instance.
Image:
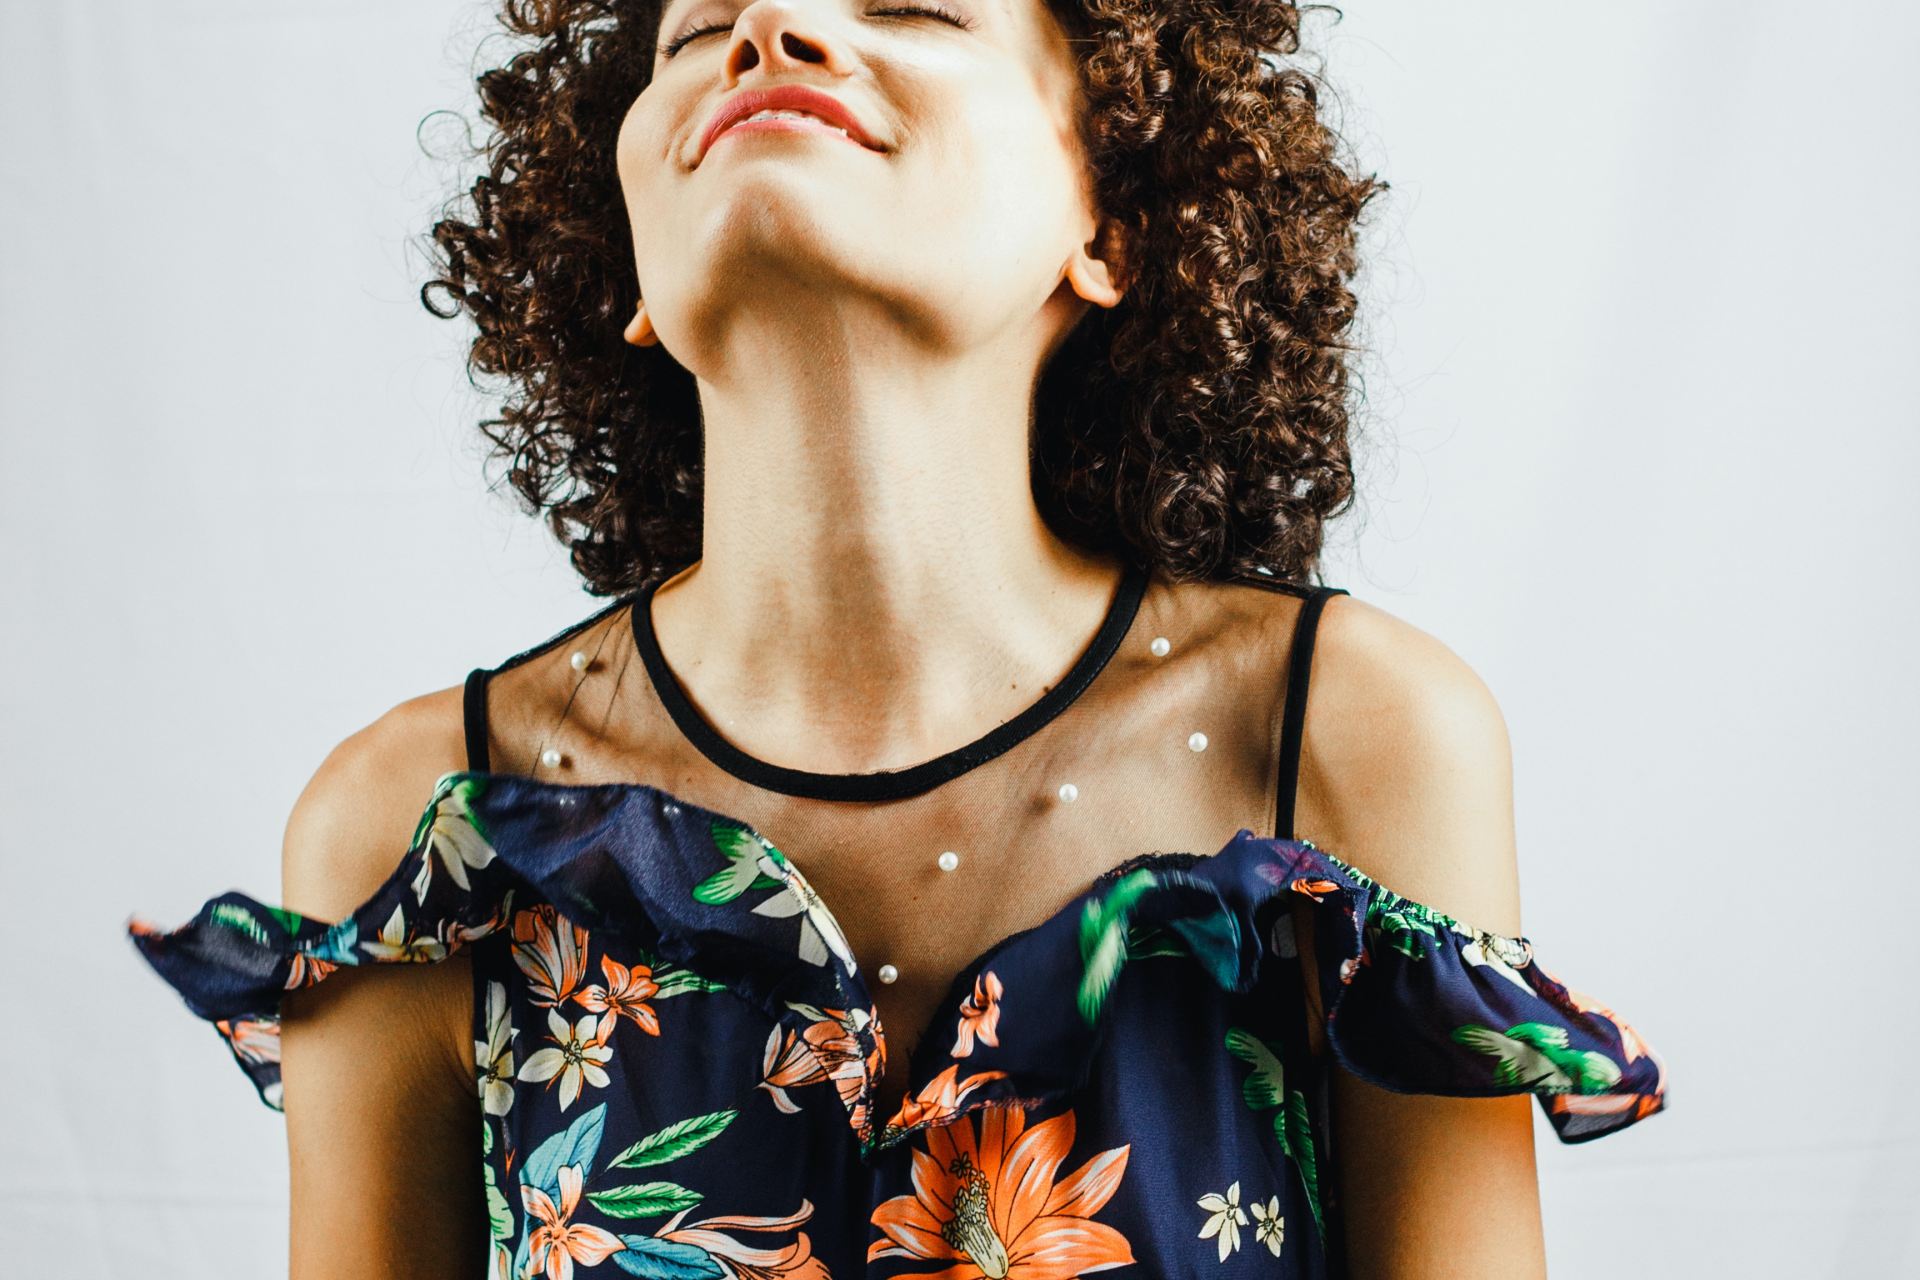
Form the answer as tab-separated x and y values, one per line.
1639	438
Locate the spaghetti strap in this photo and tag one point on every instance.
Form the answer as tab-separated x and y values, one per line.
476	718
479	756
1299	668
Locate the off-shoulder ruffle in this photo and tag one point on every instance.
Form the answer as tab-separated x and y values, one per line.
236	959
1412	999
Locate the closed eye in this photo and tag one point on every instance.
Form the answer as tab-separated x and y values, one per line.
917	11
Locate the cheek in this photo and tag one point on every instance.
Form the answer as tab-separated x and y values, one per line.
640	156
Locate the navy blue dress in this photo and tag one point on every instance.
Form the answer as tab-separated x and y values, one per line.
676	1052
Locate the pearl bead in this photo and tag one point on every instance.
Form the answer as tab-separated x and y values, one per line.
949	860
550	757
1069	793
888	973
1197	742
1160	646
671	809
579	660
1261	568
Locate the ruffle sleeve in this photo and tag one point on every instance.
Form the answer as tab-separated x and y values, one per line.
236	959
1419	1002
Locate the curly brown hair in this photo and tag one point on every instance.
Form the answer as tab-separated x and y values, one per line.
1200	426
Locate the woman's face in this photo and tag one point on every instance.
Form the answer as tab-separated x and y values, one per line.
954	228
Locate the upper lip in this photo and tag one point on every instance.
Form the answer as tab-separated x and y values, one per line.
797	97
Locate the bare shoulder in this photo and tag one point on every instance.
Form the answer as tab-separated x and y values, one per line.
383	1123
352	823
1406	766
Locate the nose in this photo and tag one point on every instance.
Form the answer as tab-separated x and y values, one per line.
782	33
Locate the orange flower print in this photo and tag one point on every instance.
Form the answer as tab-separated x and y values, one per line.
990	1206
940	1099
551	951
1315	888
1631	1046
307	970
251	1038
827	1050
793	1262
980	1015
556	1244
625	996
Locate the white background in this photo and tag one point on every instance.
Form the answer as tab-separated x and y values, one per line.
1638	442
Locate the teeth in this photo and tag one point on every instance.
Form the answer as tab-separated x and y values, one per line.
784	113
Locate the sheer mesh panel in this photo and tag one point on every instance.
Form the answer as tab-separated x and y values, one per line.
1122	741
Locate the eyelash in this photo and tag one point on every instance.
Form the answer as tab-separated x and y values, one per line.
927	11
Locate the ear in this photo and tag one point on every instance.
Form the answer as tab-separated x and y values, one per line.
1101	271
639	330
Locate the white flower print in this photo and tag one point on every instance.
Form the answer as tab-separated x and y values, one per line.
820	933
494	1055
1505	956
1269	1227
576	1059
396	944
456	839
1225	1219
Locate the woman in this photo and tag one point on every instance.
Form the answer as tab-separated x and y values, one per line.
951	397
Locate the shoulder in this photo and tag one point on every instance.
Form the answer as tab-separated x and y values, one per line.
1406	766
352	822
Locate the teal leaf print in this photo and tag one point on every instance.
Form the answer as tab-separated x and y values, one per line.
680	1138
658	1259
1534	1056
1103	938
1266	1087
742	849
340	944
1144	940
1214	940
643	1200
577	1144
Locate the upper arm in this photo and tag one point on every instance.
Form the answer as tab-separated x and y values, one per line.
1406	773
383	1119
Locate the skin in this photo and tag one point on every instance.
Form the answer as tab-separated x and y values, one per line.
868	326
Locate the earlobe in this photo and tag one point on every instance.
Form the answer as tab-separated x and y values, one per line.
1100	273
639	330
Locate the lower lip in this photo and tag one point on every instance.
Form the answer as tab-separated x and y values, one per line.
784	124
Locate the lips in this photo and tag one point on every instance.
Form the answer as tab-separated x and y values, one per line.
787	97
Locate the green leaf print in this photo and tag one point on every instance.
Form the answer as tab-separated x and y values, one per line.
743	850
680	1138
675	982
499	1213
1103	938
643	1200
1534	1056
462	791
1264	1088
289	920
239	919
1402	930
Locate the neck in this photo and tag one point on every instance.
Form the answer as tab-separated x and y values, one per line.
876	585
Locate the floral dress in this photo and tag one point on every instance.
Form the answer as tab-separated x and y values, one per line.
676	1052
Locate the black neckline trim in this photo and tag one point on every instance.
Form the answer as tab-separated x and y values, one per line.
886	784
